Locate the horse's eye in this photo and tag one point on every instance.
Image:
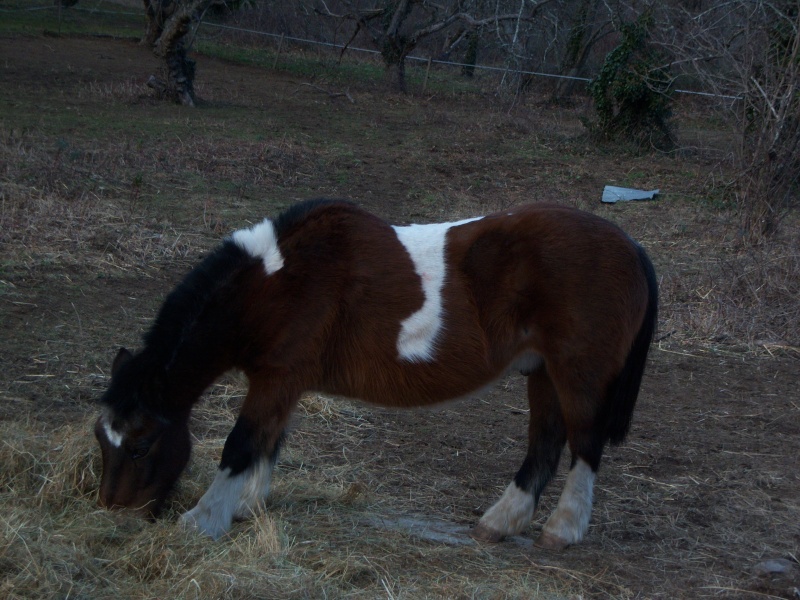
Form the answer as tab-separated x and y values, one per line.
138	452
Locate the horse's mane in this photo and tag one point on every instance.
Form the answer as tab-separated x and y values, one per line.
186	302
184	305
298	213
179	312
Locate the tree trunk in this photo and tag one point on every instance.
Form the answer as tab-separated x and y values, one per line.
578	48
180	73
396	75
168	25
152	29
394	50
171	46
471	55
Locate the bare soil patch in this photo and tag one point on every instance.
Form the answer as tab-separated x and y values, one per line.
107	197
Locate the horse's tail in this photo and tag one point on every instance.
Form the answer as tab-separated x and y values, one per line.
624	390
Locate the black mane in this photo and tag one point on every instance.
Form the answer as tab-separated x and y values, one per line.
179	312
183	307
186	302
298	213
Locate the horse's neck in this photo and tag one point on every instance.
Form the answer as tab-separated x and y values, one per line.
186	387
192	369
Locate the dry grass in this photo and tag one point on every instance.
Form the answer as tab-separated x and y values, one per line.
369	504
312	542
43	228
55	212
722	295
326	534
79	204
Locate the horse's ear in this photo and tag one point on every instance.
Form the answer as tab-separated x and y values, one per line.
123	356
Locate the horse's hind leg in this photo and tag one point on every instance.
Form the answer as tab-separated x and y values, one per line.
586	437
570	520
245	469
546	435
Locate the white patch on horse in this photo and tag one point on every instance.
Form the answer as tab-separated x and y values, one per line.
511	514
570	520
113	436
425	244
261	242
228	497
256	489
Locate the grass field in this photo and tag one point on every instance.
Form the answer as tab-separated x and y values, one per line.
107	196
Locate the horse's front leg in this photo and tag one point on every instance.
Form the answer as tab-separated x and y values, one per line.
245	470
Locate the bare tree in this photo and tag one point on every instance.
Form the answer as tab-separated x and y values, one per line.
169	23
396	27
748	52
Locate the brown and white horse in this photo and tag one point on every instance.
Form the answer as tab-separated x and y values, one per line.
328	297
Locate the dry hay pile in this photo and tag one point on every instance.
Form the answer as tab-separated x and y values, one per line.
324	534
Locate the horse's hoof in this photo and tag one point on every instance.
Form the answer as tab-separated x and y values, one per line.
548	541
481	533
201	521
189	522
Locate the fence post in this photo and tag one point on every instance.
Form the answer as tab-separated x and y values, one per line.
278	53
427	72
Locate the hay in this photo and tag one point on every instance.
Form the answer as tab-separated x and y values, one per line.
311	541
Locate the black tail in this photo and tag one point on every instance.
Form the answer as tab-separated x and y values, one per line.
624	389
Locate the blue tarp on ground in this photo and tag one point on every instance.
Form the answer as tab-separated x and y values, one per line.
615	194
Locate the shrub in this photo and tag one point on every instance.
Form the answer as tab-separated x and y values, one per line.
631	94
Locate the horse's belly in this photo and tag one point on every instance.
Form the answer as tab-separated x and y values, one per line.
402	383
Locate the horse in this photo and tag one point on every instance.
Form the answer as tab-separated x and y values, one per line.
330	298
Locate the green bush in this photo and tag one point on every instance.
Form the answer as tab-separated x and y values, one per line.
632	93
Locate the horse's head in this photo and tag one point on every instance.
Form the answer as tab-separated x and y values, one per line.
143	453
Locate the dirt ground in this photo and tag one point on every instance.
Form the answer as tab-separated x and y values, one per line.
697	502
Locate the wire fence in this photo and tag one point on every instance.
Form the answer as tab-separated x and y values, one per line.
409	57
297	40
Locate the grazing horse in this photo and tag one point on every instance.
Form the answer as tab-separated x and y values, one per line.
328	297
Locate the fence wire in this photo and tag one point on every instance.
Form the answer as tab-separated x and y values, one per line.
409	57
430	60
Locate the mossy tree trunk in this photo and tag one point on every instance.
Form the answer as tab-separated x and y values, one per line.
585	32
394	51
169	23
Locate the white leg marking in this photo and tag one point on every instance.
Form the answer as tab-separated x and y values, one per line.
511	514
570	520
214	512
229	497
260	241
425	244
256	489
